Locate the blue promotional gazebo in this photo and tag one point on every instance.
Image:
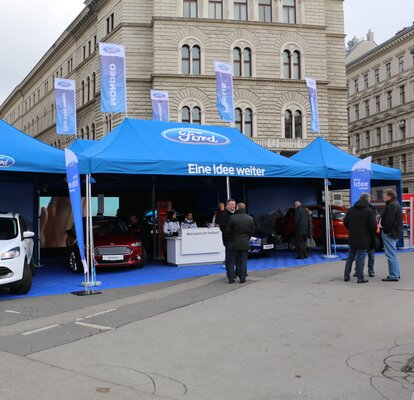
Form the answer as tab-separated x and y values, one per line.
169	148
337	168
337	164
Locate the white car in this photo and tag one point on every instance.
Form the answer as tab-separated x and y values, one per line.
16	254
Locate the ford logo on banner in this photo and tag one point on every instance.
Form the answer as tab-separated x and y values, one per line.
195	136
159	95
64	84
224	67
6	161
112	49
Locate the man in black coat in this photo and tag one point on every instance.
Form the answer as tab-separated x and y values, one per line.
224	219
238	231
301	229
361	223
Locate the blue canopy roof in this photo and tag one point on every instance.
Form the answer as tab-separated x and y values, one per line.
336	163
169	148
22	153
80	145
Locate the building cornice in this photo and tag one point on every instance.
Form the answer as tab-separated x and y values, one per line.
398	38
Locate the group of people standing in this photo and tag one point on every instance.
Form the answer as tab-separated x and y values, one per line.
363	227
237	227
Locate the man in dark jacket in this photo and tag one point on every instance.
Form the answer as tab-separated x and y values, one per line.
301	229
361	223
224	219
238	231
391	231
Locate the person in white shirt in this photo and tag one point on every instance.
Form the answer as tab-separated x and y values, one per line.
171	224
188	222
171	228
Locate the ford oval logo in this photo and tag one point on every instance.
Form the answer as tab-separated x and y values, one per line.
6	161
224	67
64	84
112	49
158	95
195	136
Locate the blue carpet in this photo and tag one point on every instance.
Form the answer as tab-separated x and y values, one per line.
55	278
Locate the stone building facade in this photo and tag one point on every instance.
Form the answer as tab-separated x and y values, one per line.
381	103
172	44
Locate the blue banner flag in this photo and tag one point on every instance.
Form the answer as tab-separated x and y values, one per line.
72	176
113	78
360	179
313	100
160	106
65	95
224	89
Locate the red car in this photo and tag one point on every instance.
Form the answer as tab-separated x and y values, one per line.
284	226
114	245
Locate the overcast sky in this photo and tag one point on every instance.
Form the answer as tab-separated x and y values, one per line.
29	27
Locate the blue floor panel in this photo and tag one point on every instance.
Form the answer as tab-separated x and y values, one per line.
55	278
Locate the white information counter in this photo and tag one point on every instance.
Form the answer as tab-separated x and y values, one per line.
196	246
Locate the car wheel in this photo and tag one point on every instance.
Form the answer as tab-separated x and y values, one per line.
74	261
23	286
33	266
291	244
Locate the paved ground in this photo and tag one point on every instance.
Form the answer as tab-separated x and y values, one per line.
298	333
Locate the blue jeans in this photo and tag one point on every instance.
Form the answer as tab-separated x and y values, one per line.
359	256
371	260
390	248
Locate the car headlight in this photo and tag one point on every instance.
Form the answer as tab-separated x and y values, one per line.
12	253
135	244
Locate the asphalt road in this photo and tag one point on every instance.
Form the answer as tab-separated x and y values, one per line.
299	333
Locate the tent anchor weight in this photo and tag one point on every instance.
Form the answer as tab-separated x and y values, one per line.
87	292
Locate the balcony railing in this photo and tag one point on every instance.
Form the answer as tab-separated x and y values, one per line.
281	144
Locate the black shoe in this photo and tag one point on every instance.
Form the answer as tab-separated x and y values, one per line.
371	274
362	280
231	281
243	281
346	279
355	275
388	279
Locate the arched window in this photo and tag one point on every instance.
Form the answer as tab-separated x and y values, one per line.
242	62
296	64
288	124
196	60
286	64
293	124
82	134
196	115
191	116
247	62
291	64
185	59
298	124
93	132
83	92
93	84
244	121
191	60
87	133
237	61
185	115
53	113
88	84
